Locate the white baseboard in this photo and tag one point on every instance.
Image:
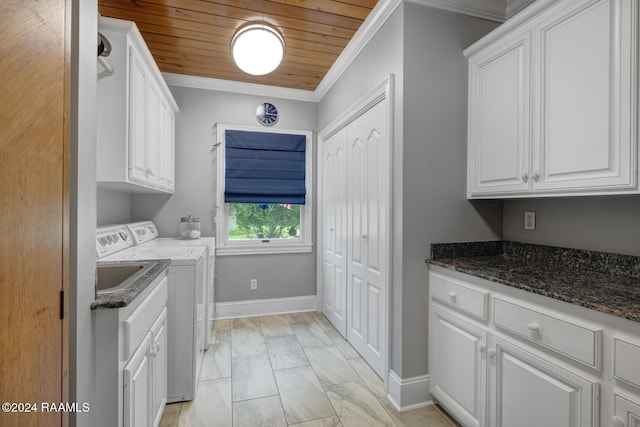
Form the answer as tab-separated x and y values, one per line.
409	393
263	307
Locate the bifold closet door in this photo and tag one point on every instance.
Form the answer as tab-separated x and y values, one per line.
368	162
335	230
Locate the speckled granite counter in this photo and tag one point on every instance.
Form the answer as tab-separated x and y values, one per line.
123	297
609	283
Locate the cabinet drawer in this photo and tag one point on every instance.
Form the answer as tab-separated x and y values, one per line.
139	322
578	342
625	366
459	295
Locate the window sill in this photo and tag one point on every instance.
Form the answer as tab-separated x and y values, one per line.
264	249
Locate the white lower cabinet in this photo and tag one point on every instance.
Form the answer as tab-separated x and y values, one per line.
458	365
626	411
502	357
131	360
532	391
145	378
137	386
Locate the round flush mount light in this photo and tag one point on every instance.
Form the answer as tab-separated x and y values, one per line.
257	49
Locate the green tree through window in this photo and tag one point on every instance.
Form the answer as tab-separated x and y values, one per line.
263	221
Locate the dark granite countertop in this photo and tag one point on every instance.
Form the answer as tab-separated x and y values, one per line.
609	283
123	297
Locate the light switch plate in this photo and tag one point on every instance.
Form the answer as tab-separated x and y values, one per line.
529	220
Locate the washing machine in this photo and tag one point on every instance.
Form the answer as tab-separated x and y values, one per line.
146	234
186	307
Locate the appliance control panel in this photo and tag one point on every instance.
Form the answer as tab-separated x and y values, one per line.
143	231
112	239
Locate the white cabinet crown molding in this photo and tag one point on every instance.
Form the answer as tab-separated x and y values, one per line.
137	40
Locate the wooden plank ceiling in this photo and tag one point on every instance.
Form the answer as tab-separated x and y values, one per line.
193	37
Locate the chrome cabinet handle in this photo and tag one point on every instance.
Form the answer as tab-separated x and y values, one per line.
525	177
482	347
492	353
536	176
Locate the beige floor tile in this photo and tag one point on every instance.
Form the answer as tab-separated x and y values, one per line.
427	416
373	382
324	422
343	345
303	398
330	365
357	406
246	322
211	407
310	334
275	326
263	412
246	342
217	362
446	415
252	377
323	321
285	352
171	415
221	331
304	316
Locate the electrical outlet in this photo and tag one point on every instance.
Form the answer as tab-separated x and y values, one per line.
529	220
254	284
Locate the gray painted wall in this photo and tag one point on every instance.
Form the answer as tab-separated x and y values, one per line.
609	224
422	47
114	207
434	160
82	209
278	275
382	56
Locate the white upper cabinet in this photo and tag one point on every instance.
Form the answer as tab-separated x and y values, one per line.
136	122
553	102
499	137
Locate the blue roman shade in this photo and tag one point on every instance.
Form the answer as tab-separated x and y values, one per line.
265	167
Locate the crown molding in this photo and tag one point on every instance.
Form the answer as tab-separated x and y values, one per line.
493	10
238	87
376	19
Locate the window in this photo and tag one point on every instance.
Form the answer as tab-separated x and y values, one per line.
264	199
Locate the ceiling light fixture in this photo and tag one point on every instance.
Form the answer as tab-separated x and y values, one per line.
257	49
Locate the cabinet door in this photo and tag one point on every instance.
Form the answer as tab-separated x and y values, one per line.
154	133
159	368
457	365
335	230
586	96
137	386
499	137
368	181
626	411
137	118
531	391
166	148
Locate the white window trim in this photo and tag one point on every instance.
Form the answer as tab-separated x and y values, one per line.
224	246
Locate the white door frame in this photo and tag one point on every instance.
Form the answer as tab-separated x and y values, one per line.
382	92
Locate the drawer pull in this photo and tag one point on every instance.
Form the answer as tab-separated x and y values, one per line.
534	327
452	297
617	421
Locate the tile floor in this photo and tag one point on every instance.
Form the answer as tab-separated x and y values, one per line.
289	370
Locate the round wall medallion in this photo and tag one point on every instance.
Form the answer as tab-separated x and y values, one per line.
267	114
